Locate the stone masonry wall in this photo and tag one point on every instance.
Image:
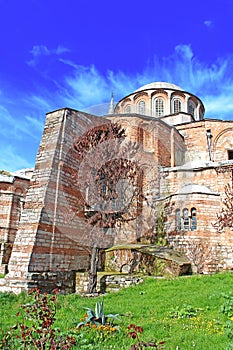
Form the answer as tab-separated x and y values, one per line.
106	282
53	237
53	234
196	142
206	247
12	194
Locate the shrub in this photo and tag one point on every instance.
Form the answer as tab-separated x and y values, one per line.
134	331
36	331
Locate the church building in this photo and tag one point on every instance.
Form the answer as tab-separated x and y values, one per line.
50	215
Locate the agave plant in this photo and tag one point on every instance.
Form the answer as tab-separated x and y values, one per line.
97	316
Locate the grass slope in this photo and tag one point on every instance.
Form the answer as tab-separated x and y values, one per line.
184	311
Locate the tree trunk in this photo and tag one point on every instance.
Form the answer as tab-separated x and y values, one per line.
92	284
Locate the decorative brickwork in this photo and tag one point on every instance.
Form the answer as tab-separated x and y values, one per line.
12	195
185	163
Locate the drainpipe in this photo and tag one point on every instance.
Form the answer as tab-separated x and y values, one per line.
209	137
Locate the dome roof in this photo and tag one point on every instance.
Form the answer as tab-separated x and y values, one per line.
159	85
194	188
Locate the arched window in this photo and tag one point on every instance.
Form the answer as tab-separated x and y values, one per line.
193	219
127	109
141	107
191	108
176	106
178	219
159	107
186	219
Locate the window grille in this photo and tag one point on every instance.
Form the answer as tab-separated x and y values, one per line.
186	219
159	107
193	219
127	109
177	106
191	108
141	107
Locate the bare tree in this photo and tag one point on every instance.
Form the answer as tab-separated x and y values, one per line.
112	185
202	254
225	217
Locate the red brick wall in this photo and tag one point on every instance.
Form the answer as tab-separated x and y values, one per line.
12	194
53	233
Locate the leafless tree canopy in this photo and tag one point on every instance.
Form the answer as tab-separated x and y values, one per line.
112	176
111	181
225	217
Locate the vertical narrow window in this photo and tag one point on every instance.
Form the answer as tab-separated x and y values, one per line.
87	194
127	109
176	105
230	154
159	107
178	219
193	219
103	186
191	108
186	219
141	107
140	135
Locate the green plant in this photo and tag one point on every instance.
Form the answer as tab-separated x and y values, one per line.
96	327
134	331
187	311
160	229
158	296
227	307
5	172
97	316
229	332
37	331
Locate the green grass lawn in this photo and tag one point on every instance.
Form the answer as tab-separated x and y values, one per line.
185	312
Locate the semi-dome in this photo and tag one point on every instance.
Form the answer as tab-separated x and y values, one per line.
160	85
194	188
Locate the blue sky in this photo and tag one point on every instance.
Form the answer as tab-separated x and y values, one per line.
74	53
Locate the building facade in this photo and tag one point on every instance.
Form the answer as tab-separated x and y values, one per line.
185	163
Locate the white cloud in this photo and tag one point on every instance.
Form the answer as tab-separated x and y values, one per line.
210	82
17	128
208	23
10	160
37	102
69	63
220	107
35	123
123	84
184	51
42	50
60	50
85	87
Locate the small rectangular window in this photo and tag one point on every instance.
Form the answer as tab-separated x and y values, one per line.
230	154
